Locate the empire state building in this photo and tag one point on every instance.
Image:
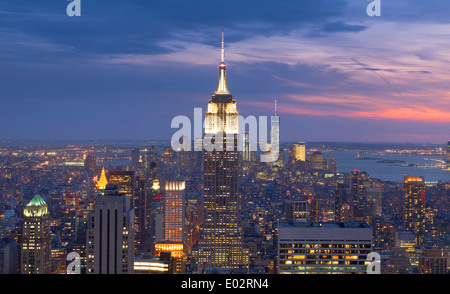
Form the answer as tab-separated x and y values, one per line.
220	243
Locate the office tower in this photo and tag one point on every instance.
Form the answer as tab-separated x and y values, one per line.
315	214
307	248
110	234
357	197
299	151
125	180
404	239
90	164
135	157
374	198
140	213
103	181
174	211
296	211
414	207
156	214
398	262
342	208
316	161
275	136
36	238
432	260
220	244
174	223
9	254
332	166
246	155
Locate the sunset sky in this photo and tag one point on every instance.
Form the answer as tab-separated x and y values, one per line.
124	69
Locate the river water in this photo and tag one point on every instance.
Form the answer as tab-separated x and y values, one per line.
394	169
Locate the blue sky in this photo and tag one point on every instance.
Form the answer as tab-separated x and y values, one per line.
124	69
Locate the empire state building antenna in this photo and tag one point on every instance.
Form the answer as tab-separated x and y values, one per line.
223	47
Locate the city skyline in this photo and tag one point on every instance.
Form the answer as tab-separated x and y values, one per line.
111	72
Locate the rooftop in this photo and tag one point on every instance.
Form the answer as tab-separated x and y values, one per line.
324	224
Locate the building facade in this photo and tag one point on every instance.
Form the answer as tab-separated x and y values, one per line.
323	248
220	243
110	234
414	207
36	238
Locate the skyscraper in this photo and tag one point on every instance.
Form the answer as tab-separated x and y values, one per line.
125	180
135	156
246	155
357	196
342	208
220	244
414	207
299	151
275	135
90	164
101	184
174	211
36	238
174	223
110	234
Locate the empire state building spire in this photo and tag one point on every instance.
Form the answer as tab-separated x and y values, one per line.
222	86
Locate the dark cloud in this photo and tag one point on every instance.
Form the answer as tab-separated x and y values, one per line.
138	26
340	26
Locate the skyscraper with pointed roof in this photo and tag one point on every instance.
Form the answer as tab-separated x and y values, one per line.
220	243
103	181
36	239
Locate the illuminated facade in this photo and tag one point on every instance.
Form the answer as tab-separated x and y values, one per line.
174	222
163	264
414	207
174	212
110	234
103	181
125	180
323	248
220	243
299	151
36	238
128	184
